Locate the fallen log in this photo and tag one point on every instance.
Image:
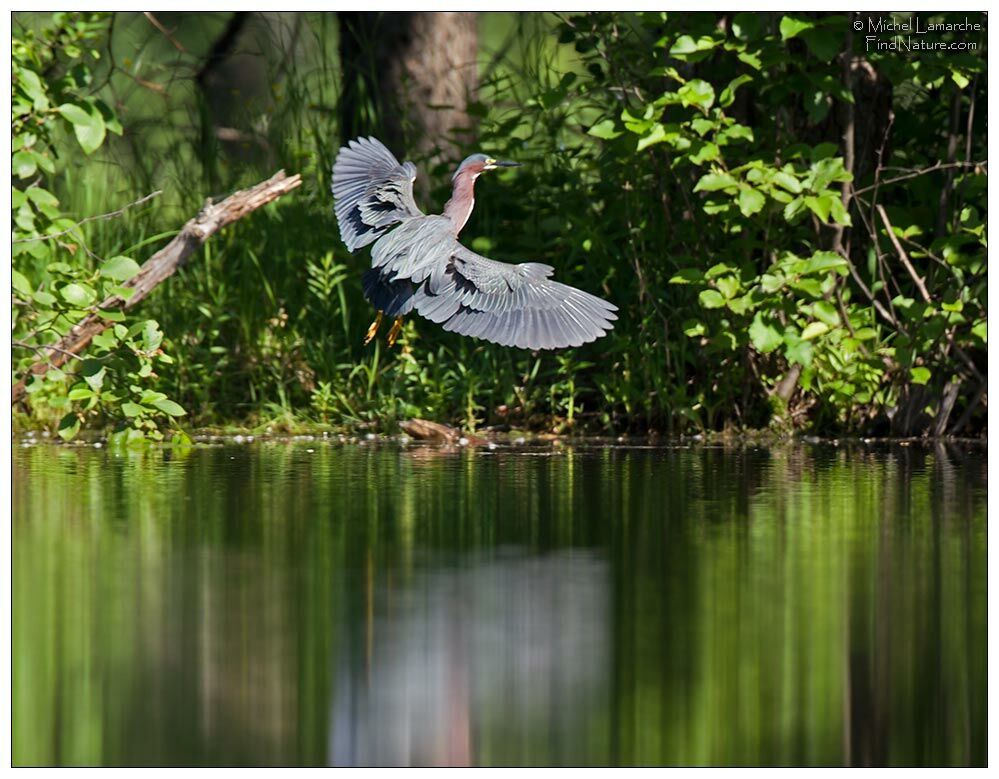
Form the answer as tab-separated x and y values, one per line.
426	430
212	218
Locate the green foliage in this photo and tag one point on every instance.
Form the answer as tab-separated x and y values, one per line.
769	244
57	280
691	168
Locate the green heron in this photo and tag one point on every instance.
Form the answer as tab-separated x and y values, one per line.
421	266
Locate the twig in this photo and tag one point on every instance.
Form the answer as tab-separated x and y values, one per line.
888	316
156	23
903	256
920	172
109	215
923	291
943	201
40	349
977	398
849	154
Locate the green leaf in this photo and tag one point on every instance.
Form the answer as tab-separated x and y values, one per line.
41	197
697	93
44	298
88	125
710	298
692	328
920	375
30	82
706	153
24	164
711	182
826	312
687	49
838	213
606	129
763	335
794	208
20	283
687	276
751	201
169	407
80	392
110	120
78	294
798	350
120	268
735	132
106	340
93	372
720	269
130	409
814	330
811	287
69	426
791	26
727	96
729	286
742	304
981	329
701	126
152	336
123	292
655	135
823	42
820	206
822	261
750	59
788	182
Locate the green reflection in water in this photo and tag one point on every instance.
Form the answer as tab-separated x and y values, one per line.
267	604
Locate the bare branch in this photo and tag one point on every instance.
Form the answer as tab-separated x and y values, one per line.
42	347
167	34
921	172
903	256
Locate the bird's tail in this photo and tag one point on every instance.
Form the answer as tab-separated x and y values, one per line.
371	191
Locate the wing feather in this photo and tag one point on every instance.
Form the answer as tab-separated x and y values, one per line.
371	191
518	305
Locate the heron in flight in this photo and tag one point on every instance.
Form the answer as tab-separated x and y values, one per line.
418	264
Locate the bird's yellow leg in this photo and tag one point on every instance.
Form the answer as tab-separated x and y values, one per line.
373	330
394	332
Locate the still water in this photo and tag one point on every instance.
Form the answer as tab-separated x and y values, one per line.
314	603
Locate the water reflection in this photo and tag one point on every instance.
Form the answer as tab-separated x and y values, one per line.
509	652
268	604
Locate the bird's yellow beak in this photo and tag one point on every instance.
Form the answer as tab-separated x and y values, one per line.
492	164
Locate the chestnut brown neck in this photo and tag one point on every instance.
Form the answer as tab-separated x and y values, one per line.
459	207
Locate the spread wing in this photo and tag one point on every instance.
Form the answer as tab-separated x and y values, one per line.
511	305
372	191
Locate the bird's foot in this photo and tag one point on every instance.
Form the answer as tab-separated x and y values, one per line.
373	330
394	332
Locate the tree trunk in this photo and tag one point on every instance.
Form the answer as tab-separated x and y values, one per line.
408	78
